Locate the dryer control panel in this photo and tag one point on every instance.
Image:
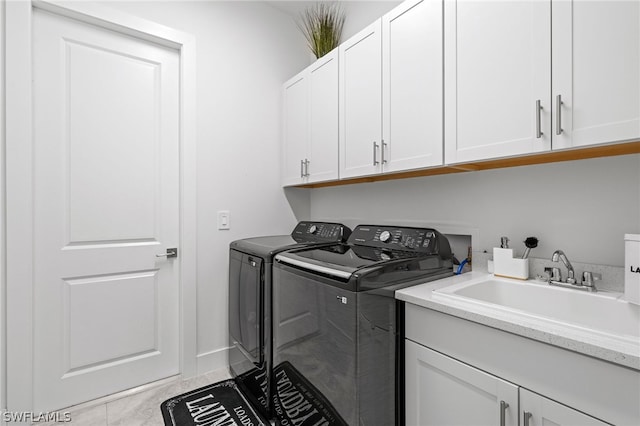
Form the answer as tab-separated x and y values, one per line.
307	231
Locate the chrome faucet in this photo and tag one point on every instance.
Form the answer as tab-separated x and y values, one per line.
555	278
559	255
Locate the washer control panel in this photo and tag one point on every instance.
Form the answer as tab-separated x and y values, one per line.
423	240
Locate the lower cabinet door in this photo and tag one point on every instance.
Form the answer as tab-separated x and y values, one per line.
442	391
536	410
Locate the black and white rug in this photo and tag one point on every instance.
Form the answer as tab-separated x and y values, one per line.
297	402
219	404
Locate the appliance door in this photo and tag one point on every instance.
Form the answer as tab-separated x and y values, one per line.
314	334
334	351
246	287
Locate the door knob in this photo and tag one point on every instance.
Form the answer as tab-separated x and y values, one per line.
171	252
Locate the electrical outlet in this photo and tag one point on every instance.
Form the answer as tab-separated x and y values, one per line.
223	220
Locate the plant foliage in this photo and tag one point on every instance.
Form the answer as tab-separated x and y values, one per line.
322	24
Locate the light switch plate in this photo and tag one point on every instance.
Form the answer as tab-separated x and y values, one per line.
223	219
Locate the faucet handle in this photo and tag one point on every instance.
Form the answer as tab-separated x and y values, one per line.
553	273
588	278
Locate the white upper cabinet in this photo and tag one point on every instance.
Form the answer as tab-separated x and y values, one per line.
361	103
412	81
497	78
295	129
596	72
322	163
391	92
438	82
310	149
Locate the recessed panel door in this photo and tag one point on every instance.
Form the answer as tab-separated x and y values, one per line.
412	64
497	80
596	72
295	129
360	82
443	391
106	197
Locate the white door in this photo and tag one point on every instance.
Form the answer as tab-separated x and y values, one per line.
106	199
497	70
412	85
296	129
443	391
361	103
536	410
596	72
323	118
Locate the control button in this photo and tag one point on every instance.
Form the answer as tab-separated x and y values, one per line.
313	229
384	236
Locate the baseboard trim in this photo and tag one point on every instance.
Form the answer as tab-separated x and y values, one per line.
212	360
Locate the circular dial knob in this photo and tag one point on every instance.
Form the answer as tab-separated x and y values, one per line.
313	229
385	236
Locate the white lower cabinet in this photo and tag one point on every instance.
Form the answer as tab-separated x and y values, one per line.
536	410
443	391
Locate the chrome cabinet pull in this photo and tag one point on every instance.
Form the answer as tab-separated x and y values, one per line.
503	412
527	416
375	158
301	168
171	252
384	144
559	115
538	125
306	167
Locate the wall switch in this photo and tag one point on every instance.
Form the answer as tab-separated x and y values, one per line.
223	219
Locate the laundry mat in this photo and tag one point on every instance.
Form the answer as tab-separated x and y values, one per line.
297	402
220	404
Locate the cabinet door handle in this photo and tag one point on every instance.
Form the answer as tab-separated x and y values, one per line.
301	168
375	154
306	167
538	124
559	115
503	412
384	144
527	416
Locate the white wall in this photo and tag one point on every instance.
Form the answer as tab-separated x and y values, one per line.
359	13
245	51
582	207
362	13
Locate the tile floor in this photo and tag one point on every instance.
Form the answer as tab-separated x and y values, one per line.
139	409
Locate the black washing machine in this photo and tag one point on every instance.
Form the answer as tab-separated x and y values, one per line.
250	278
338	330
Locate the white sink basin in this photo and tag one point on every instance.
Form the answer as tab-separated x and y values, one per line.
601	314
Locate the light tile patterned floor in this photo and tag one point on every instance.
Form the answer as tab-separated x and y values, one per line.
139	409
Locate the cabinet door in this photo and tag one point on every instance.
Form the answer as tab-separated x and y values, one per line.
497	67
323	106
596	72
295	129
361	103
536	410
443	391
412	85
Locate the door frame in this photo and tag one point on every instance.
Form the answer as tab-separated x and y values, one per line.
18	189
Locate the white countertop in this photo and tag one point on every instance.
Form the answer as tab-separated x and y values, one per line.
543	331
